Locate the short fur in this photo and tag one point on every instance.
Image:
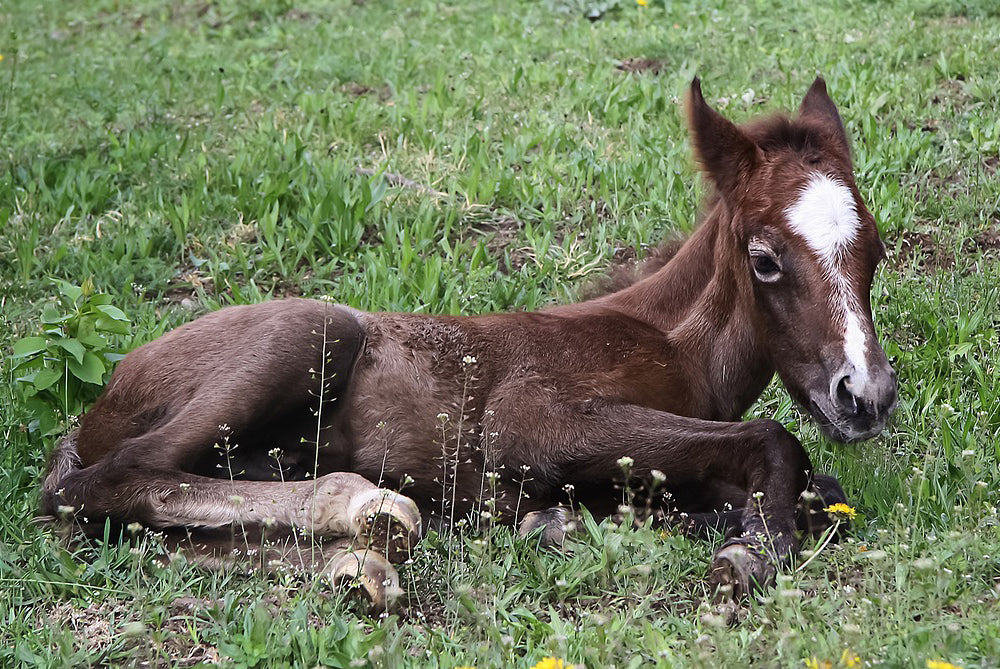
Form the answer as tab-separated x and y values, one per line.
512	406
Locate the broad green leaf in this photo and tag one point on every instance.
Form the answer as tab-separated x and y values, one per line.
93	340
113	312
46	419
74	347
91	371
85	326
46	377
105	324
86	333
52	315
28	378
29	346
99	299
69	290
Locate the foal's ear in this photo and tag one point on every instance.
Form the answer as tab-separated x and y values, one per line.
725	152
818	106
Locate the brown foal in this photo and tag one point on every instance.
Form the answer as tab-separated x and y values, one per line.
322	410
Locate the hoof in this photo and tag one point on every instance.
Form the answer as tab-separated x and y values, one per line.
386	522
738	570
810	517
367	575
555	525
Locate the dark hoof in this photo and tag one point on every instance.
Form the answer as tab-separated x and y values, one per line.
387	522
739	570
824	491
555	525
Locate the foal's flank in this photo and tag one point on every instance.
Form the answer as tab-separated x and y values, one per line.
776	279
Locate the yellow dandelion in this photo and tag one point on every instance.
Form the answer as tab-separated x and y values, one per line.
463	667
814	663
1	56
552	663
642	3
850	659
841	511
941	664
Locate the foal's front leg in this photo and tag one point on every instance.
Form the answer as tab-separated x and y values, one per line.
810	515
582	444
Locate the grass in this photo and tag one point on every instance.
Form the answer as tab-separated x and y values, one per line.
190	155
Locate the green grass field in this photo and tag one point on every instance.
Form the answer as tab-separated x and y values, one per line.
181	156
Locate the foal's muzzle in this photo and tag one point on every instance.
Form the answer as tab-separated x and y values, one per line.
857	409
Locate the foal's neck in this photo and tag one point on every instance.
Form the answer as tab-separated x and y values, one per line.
702	300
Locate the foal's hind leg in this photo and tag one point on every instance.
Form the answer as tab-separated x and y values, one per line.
362	572
335	505
553	525
358	572
237	372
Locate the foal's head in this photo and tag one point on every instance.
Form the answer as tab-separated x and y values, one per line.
806	248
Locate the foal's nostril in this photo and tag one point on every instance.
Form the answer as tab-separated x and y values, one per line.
882	401
889	397
845	398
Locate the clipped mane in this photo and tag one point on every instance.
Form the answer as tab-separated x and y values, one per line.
622	275
777	132
773	133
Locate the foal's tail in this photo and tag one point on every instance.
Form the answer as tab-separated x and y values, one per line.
62	462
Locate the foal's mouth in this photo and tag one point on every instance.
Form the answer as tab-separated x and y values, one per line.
847	429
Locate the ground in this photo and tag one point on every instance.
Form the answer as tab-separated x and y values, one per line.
465	157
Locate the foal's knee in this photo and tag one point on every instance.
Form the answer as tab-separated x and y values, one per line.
782	452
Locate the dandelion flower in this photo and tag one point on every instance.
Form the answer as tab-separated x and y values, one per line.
850	659
552	663
941	664
841	511
642	3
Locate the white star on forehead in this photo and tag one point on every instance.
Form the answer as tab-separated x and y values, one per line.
826	217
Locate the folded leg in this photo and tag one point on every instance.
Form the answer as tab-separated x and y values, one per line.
585	443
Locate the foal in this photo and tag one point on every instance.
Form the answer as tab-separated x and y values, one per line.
323	410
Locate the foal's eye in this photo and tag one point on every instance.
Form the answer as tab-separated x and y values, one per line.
765	267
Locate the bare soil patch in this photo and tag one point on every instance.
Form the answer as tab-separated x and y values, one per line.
357	90
931	255
503	232
101	626
641	65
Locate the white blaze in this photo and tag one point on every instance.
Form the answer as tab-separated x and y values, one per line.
826	218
